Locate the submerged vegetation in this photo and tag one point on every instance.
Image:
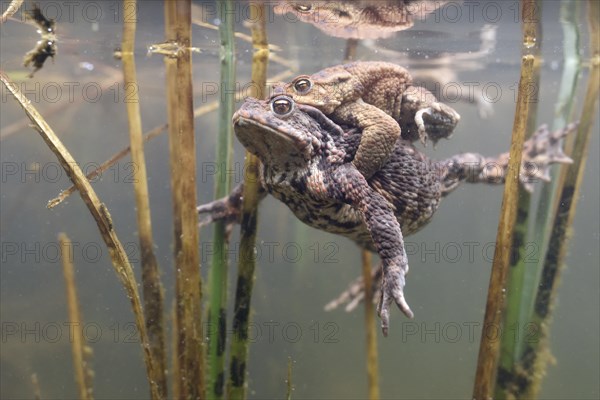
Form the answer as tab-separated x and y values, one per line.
206	360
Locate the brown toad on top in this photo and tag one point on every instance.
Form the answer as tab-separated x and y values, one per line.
306	164
378	98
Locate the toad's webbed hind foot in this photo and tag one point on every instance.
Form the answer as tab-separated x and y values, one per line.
392	290
540	151
387	288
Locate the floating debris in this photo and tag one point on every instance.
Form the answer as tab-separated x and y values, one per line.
46	46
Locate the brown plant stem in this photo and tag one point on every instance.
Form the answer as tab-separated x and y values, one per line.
37	391
78	341
182	155
351	47
12	8
370	327
489	345
288	381
510	347
151	284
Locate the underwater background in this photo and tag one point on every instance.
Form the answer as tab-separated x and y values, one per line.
299	269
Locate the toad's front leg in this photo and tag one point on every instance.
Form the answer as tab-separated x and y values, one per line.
423	117
347	184
227	209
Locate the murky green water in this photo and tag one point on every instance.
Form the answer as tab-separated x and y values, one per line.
299	269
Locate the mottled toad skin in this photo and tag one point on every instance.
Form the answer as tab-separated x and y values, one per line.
379	99
306	164
360	19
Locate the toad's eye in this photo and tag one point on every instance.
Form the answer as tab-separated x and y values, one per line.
303	86
282	106
303	8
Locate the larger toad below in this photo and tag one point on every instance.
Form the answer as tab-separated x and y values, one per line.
306	164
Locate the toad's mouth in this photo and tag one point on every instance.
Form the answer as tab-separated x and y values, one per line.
244	120
242	123
270	139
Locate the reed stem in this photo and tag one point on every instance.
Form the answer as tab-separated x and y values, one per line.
217	281
522	373
236	385
537	353
152	288
189	375
78	341
370	327
570	11
510	347
12	8
490	345
288	381
37	391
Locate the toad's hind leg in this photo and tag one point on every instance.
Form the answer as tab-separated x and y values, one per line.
543	149
349	186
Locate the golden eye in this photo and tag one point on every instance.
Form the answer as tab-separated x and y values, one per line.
303	8
282	106
302	86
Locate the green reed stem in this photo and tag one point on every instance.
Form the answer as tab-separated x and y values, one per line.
217	280
523	372
236	385
189	369
537	353
569	16
515	288
153	294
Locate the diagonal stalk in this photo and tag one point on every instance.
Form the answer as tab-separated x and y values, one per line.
103	220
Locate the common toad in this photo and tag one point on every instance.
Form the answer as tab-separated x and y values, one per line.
366	19
378	98
306	164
